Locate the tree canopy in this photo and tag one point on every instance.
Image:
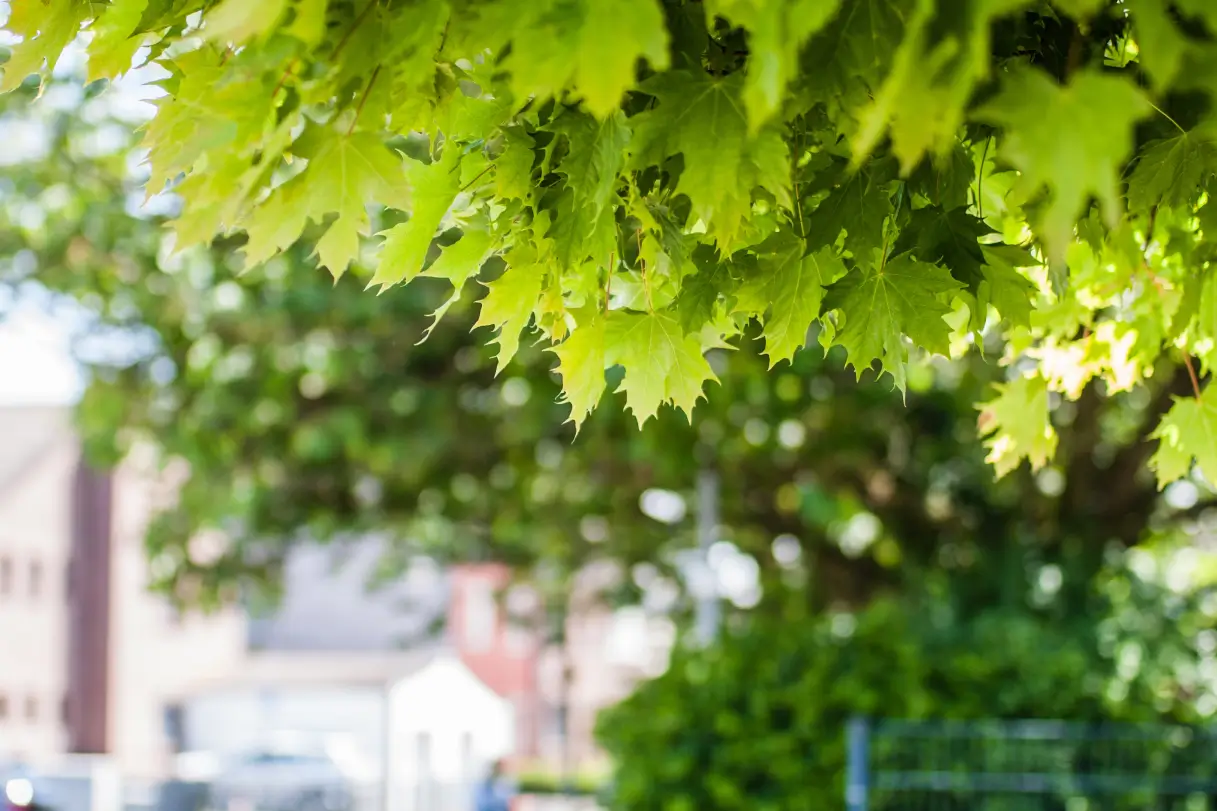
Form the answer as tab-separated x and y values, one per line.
636	181
302	407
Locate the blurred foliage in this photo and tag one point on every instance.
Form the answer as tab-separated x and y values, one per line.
758	720
305	409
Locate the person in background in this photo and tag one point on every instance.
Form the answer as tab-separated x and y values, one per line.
496	792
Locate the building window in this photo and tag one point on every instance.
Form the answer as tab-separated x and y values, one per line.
35	578
6	575
31	708
480	615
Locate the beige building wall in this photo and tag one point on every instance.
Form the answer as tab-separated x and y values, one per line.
157	657
37	459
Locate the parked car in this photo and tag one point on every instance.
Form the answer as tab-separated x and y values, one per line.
282	780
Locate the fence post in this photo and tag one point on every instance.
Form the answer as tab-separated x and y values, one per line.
857	777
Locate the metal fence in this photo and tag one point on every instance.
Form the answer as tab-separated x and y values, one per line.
1029	766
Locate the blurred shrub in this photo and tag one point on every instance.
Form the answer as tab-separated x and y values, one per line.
757	721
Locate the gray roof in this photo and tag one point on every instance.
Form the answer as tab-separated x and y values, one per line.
329	603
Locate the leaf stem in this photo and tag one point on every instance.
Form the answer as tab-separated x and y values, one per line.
980	179
363	99
354	27
1168	118
608	283
1191	372
476	178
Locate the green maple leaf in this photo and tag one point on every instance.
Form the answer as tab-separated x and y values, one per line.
114	42
1171	172
591	45
858	203
583	223
846	62
308	25
923	97
205	110
1074	162
513	167
344	173
1010	292
789	285
45	30
661	362
581	362
1017	425
777	32
1161	46
433	188
952	238
882	301
241	20
462	259
700	293
702	119
616	35
1187	433
508	305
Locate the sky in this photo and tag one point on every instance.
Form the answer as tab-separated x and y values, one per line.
36	362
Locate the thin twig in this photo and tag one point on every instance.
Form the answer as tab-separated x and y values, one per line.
363	99
1191	372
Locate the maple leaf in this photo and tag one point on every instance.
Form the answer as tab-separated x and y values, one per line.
661	362
938	64
433	188
309	23
700	293
789	285
1009	291
702	119
777	32
590	171
1073	162
1171	172
208	109
593	45
344	172
858	203
508	305
882	301
1161	45
1187	433
241	20
581	363
1017	425
114	42
951	237
45	30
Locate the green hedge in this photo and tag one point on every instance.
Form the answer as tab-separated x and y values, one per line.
756	722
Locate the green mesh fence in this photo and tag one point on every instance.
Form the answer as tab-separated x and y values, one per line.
1029	766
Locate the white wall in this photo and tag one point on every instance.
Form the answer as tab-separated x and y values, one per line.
460	723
